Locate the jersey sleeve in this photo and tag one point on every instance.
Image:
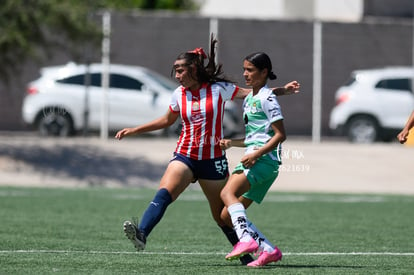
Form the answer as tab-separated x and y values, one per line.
272	108
174	103
228	91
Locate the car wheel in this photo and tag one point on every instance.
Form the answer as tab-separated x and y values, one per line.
55	122
362	129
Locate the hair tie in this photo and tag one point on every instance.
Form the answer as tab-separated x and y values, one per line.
199	51
272	76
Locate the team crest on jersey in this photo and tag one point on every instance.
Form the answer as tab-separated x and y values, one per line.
196	106
253	108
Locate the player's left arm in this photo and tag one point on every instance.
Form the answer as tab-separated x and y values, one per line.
289	89
274	114
280	135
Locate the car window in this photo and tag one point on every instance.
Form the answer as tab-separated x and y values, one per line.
76	80
403	84
96	80
350	81
163	81
116	81
80	80
124	82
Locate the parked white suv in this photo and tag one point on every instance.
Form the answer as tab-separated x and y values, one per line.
374	104
56	103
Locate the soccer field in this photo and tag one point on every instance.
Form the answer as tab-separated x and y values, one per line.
79	231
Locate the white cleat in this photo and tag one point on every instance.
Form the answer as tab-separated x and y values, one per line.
135	235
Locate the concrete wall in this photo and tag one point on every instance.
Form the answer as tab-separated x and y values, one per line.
338	10
155	40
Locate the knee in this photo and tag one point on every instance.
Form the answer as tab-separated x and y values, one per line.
224	195
227	196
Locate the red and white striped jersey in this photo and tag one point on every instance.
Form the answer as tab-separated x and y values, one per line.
201	116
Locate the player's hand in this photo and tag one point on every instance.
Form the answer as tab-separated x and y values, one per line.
249	160
225	144
124	132
402	136
292	87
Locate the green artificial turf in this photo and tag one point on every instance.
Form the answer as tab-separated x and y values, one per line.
79	231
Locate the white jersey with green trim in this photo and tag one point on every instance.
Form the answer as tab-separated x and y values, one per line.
259	112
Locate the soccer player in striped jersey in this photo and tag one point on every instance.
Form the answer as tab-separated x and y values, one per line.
259	167
200	102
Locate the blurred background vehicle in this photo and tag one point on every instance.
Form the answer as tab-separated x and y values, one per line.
374	104
68	98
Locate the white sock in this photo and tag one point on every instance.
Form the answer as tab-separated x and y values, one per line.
240	222
263	242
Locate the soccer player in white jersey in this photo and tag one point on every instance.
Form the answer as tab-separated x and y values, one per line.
200	103
259	167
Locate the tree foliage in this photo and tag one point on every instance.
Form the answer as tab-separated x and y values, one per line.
151	4
31	29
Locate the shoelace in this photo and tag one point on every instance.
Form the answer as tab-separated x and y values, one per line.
135	221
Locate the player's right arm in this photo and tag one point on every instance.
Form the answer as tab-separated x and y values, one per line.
403	135
162	122
227	143
289	89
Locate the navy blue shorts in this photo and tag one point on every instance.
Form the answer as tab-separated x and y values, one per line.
208	169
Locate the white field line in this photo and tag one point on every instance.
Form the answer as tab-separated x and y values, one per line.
34	251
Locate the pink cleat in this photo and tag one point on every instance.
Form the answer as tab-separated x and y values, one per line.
241	249
267	257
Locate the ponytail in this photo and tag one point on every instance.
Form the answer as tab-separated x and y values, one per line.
212	72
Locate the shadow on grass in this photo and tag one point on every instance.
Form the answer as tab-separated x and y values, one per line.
292	266
84	163
311	266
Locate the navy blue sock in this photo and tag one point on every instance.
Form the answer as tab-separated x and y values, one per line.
155	211
230	234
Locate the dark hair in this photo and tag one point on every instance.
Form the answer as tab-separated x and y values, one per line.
262	61
212	72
